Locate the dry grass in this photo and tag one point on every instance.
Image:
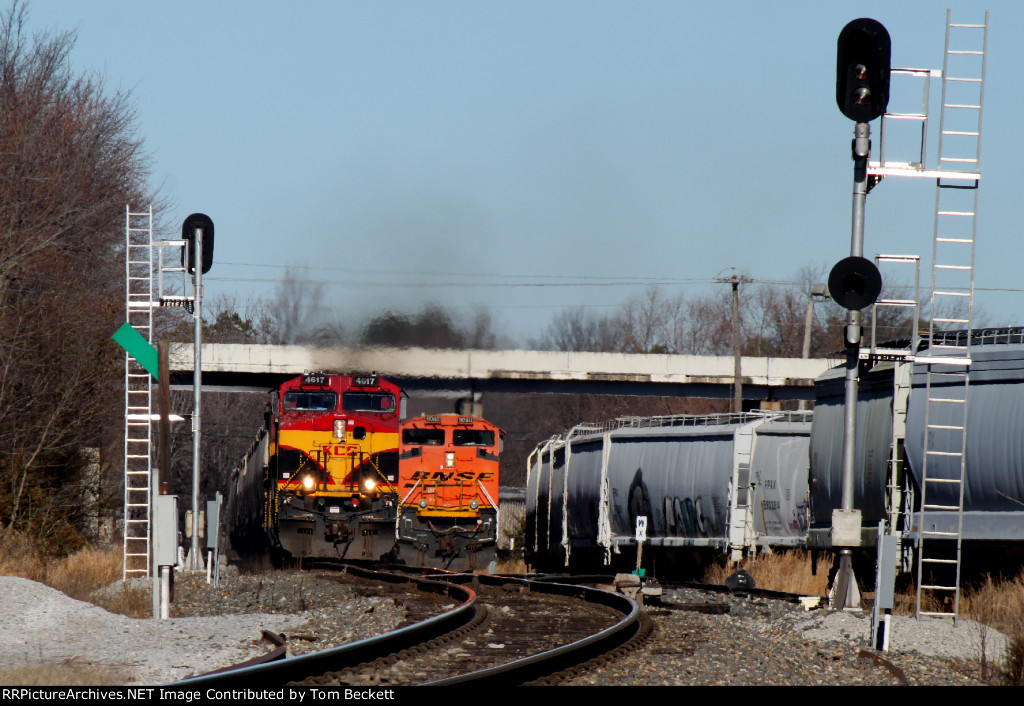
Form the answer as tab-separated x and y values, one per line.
72	672
1000	605
76	576
782	571
511	566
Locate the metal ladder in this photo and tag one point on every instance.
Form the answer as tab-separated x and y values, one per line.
948	358
896	302
138	397
902	357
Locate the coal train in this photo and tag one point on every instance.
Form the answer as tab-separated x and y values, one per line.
448	480
734	484
324	479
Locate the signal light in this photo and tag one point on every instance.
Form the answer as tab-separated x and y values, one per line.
854	283
862	70
188	234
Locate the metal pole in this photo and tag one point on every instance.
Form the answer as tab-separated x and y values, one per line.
195	562
845	582
808	322
737	389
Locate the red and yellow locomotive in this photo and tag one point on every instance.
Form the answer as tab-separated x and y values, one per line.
332	485
448	483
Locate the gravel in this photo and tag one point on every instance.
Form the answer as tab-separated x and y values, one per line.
768	642
223	625
758	642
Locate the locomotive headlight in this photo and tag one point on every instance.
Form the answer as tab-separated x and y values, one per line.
339	429
473	504
308	482
449	459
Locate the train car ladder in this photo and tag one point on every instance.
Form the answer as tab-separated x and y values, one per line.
741	519
948	358
138	397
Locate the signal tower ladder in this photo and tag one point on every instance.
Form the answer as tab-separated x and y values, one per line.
138	397
948	358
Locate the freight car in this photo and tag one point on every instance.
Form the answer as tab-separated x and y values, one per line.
890	447
448	481
320	481
729	484
705	484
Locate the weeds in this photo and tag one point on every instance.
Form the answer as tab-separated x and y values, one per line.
77	575
782	571
71	672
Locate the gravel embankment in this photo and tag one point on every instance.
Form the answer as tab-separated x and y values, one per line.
759	642
223	625
766	642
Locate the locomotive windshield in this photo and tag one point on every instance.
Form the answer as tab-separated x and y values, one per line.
309	400
423	437
379	402
473	437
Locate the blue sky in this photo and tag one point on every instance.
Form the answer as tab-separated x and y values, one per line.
467	153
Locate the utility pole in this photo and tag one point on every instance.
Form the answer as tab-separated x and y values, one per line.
737	372
818	292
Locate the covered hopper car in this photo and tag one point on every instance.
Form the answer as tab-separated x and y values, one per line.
705	484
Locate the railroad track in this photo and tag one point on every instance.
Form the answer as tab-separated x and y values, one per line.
501	630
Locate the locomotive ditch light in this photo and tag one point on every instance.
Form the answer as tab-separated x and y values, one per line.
473	504
423	503
369	484
863	56
308	482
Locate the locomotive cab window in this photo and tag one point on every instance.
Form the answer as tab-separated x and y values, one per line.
473	437
378	402
309	400
423	437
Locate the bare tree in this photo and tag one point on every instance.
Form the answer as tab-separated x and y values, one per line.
71	161
579	329
642	322
296	309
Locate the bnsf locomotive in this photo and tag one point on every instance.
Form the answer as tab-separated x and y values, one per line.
448	485
330	484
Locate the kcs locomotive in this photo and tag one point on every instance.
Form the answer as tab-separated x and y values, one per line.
321	479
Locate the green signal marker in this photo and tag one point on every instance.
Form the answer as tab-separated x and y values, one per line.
136	345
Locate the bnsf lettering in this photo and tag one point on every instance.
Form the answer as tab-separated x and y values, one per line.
440	475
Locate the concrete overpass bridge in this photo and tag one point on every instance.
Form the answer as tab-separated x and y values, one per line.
468	373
